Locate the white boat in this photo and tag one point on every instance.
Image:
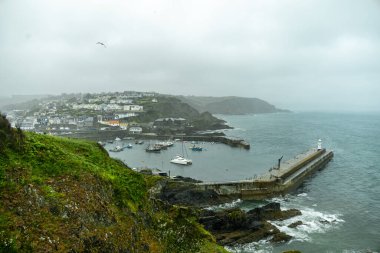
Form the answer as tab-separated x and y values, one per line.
165	143
178	159
153	149
117	139
116	149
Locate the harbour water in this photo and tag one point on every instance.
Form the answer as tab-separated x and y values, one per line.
340	205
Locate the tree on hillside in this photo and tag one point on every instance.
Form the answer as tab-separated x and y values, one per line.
13	138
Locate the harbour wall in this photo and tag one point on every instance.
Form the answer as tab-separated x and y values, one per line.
276	183
98	135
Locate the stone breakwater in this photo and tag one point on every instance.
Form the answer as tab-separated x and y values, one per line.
278	181
105	135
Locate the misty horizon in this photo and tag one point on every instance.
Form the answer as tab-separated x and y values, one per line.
314	55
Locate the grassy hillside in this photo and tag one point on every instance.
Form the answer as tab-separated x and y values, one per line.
229	105
171	107
65	195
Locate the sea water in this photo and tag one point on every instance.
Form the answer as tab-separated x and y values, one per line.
340	205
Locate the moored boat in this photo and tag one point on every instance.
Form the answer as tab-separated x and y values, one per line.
178	159
153	149
196	148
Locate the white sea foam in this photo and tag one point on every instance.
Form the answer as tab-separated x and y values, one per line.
225	205
359	251
312	222
262	246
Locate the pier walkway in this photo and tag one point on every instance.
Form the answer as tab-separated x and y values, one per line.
277	181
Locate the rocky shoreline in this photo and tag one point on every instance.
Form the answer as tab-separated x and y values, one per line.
232	226
235	226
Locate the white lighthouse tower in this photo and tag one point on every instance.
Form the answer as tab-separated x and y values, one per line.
319	144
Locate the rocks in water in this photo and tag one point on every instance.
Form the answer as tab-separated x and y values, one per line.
231	226
280	237
295	224
235	226
272	211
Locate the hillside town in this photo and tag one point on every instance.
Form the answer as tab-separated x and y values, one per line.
67	114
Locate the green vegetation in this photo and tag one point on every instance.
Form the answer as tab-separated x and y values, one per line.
66	195
172	107
10	137
230	105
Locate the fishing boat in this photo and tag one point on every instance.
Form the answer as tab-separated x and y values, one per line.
165	144
153	149
178	159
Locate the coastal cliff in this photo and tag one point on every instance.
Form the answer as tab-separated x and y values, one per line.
230	105
66	195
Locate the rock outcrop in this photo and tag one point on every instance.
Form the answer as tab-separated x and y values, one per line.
185	193
231	226
235	226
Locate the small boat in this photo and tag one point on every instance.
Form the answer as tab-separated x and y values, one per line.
153	149
178	159
101	143
165	144
117	139
161	145
196	148
116	149
129	145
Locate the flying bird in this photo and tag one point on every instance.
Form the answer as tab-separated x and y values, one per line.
101	43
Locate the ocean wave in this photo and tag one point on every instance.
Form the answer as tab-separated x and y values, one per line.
313	221
235	129
359	251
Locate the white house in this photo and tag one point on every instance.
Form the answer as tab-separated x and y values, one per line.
113	107
125	115
134	108
135	130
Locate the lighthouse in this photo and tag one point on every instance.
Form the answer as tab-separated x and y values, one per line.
319	144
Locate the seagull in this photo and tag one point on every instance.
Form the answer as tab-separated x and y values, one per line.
100	43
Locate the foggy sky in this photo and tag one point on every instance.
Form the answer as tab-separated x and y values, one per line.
296	54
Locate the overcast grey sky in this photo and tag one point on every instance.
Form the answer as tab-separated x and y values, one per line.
296	54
